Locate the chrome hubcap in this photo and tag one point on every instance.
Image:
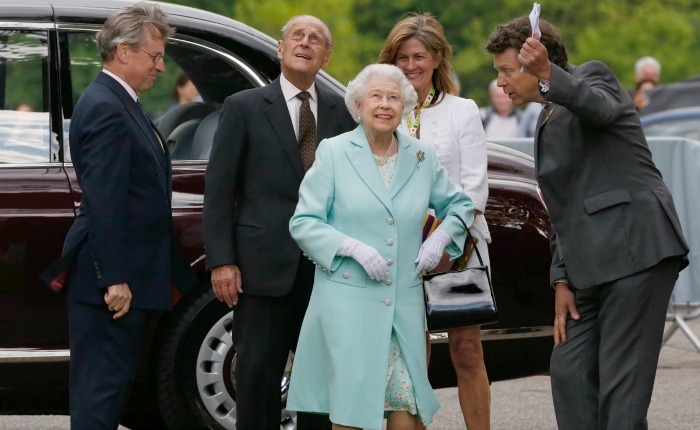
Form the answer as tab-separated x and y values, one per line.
216	384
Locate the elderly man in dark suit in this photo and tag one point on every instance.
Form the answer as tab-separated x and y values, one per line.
264	144
121	250
617	243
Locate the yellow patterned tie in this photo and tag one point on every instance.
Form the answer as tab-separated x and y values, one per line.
307	131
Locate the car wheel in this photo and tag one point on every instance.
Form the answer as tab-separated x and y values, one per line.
195	361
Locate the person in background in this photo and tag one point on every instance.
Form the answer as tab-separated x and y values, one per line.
24	107
647	69
265	143
641	99
501	119
362	350
184	92
121	251
617	244
528	120
452	127
647	75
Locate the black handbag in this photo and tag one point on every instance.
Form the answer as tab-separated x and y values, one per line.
460	298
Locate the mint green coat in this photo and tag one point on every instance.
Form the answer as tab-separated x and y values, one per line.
342	356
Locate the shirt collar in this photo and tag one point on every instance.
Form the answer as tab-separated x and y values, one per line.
126	86
290	91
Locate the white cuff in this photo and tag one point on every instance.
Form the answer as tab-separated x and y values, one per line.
347	247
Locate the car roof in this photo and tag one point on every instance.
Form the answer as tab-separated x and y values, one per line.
86	11
680	113
673	95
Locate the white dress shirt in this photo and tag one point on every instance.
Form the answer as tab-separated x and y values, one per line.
126	86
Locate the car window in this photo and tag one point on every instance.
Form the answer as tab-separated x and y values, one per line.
24	100
187	125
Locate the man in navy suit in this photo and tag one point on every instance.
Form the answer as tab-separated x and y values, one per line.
259	157
124	257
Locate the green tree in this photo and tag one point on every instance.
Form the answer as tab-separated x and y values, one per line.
269	16
617	32
222	7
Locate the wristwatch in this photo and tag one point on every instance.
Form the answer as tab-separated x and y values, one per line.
544	86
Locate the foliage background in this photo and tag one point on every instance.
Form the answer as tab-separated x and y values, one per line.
617	32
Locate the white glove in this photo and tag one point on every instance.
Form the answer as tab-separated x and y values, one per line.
370	259
430	251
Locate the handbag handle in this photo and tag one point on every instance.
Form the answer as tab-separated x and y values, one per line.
469	234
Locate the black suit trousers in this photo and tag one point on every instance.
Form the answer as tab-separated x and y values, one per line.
104	356
265	329
603	376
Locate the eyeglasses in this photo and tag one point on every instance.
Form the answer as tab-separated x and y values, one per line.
155	57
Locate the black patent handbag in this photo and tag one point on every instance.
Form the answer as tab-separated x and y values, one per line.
460	298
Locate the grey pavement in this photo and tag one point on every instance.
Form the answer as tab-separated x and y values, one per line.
679	352
526	404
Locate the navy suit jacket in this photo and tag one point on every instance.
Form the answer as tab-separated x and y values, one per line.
124	230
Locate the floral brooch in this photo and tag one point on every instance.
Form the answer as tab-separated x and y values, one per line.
421	156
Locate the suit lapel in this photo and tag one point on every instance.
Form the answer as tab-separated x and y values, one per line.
144	123
360	157
406	162
544	120
281	123
326	115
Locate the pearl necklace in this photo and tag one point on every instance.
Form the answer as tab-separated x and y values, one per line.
384	158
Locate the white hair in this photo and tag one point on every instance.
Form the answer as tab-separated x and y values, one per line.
358	87
646	61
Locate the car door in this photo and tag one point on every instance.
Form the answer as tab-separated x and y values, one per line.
36	208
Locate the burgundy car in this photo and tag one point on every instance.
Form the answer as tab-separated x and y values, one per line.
47	56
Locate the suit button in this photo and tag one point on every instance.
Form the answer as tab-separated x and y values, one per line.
390	221
389	262
390	242
346	275
388	282
387	302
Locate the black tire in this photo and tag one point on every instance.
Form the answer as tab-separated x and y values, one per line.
182	334
194	341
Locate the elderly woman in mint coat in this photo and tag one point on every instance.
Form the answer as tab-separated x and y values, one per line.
361	354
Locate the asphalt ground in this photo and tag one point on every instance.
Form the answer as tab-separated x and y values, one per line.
526	404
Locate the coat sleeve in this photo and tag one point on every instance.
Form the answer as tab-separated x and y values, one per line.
449	200
473	160
592	93
557	269
309	225
105	147
221	179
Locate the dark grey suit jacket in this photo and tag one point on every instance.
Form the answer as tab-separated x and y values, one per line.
611	212
252	185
